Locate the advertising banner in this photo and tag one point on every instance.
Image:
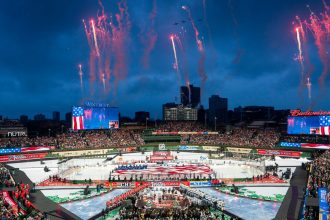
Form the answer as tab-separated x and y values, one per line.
123	184
19	157
324	212
151	184
188	147
183	132
288	144
160	158
75	153
281	153
239	150
210	148
129	149
200	183
161	153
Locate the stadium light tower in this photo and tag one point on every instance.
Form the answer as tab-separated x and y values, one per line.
215	123
147	122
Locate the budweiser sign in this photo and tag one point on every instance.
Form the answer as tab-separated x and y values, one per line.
298	112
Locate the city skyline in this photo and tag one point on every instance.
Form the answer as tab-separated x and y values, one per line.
250	49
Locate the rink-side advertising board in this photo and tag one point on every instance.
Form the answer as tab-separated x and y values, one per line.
200	183
21	157
281	153
134	184
189	147
13	150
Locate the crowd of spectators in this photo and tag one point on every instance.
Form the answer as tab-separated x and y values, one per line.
181	126
5	178
319	173
80	140
6	211
265	138
192	212
319	176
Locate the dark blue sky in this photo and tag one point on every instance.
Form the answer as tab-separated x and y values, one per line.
251	60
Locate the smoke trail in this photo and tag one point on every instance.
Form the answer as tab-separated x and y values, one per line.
80	75
300	56
184	60
201	62
95	39
120	41
240	51
208	30
151	37
176	64
319	35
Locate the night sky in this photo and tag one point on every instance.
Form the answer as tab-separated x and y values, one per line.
250	48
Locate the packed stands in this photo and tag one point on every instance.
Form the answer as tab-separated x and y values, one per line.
5	178
319	177
173	132
267	138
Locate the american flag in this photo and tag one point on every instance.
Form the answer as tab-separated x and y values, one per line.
324	125
77	118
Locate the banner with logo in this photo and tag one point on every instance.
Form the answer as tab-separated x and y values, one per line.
200	183
123	184
128	149
210	148
188	147
281	153
239	150
74	153
19	157
160	158
324	212
161	153
182	132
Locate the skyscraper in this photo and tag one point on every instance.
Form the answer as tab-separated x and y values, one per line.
56	116
218	108
190	95
142	116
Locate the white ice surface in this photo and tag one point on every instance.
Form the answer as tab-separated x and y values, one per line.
268	191
35	170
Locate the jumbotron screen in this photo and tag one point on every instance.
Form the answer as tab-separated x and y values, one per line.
318	125
84	118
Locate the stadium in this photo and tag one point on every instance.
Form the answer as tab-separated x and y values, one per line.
125	172
176	109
